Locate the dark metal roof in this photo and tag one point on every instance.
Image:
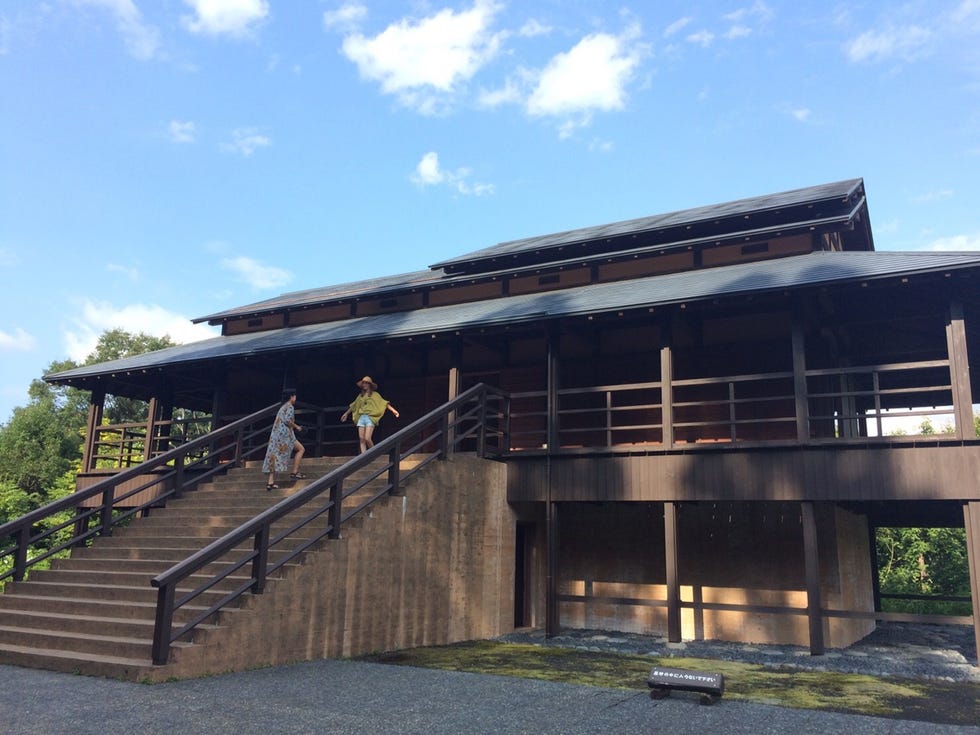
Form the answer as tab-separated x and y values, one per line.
841	214
838	191
687	286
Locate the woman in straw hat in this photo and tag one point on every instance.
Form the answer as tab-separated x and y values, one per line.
367	410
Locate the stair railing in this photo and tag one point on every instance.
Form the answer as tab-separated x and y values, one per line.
168	474
476	420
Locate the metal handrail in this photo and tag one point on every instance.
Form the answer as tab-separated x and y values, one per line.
443	427
174	467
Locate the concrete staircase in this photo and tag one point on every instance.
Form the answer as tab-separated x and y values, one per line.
93	613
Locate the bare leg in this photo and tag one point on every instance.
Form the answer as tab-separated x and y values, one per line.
300	451
368	441
272	478
361	430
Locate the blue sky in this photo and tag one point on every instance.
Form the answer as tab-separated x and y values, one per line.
164	160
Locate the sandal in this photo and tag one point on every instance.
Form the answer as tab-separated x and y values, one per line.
273	486
297	476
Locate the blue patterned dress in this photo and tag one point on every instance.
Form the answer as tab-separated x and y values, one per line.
281	441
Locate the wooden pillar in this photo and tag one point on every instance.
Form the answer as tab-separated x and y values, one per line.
673	586
959	371
799	381
96	407
152	414
971	520
811	565
667	395
875	572
552	398
455	384
552	613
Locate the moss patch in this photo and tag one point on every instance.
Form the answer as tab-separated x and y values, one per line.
950	703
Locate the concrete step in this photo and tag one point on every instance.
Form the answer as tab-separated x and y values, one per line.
131	578
43	639
72	662
82	624
171	555
111	592
150	567
101	608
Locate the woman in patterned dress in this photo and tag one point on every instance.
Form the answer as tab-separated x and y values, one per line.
282	441
367	410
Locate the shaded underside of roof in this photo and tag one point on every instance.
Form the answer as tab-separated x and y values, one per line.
840	191
805	219
812	269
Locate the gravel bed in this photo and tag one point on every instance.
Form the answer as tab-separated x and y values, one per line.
939	652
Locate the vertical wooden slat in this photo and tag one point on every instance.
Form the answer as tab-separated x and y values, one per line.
875	574
667	395
552	613
673	587
96	407
959	371
799	382
552	398
811	565
151	426
455	384
971	520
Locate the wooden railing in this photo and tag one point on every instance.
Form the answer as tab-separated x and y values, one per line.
476	419
95	510
119	446
843	404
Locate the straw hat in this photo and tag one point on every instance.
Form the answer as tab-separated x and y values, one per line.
367	379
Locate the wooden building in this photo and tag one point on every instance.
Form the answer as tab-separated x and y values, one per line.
702	415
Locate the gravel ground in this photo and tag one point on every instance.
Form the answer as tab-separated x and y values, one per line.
353	697
943	652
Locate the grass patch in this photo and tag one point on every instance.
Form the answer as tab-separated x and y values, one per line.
948	703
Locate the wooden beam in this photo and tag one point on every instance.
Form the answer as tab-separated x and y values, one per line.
875	572
455	383
553	381
673	586
152	415
959	371
971	520
811	565
96	407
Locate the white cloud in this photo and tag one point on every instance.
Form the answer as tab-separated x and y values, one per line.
905	42
738	31
966	11
428	172
934	196
702	38
16	341
956	242
800	114
225	17
142	39
8	258
245	141
424	63
95	318
601	146
510	93
533	28
182	131
345	18
132	274
677	26
591	76
757	11
255	274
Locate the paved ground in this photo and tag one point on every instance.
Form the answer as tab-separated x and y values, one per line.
350	697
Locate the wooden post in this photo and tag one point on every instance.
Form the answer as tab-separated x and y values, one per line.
96	407
959	371
455	387
799	381
971	520
673	587
552	398
552	613
875	572
667	395
811	565
151	427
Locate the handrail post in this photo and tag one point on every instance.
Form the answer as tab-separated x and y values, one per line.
481	440
20	556
445	448
163	624
105	520
239	445
334	515
395	469
260	563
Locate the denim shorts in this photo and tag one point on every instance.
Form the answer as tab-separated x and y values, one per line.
365	420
